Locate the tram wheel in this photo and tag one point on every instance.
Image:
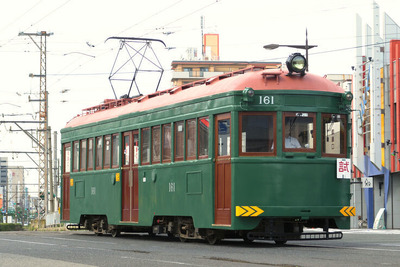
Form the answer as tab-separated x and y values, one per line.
115	233
213	239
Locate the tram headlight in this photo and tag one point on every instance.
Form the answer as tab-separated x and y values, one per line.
248	94
348	96
296	63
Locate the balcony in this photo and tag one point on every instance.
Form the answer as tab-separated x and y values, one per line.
194	74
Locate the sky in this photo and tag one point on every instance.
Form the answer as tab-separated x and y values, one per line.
79	59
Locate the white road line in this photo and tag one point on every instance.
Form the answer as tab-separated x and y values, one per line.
79	240
162	261
27	242
355	248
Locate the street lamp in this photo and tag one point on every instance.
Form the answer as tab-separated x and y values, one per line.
306	47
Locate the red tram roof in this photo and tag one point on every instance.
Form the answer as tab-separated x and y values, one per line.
256	78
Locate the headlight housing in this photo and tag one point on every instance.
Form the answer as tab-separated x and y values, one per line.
248	94
296	63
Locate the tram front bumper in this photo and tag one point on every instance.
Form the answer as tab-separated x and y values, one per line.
304	212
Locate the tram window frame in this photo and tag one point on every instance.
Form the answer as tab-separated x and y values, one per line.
270	145
115	151
107	152
300	114
135	147
67	158
145	146
202	137
99	153
83	155
155	144
90	151
75	156
191	140
166	143
342	138
126	146
179	140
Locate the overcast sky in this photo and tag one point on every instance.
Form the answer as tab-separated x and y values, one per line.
79	60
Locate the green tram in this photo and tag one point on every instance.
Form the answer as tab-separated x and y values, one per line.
249	154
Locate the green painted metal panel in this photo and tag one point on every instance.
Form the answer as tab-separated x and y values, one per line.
281	185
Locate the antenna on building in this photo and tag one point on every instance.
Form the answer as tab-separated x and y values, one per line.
202	37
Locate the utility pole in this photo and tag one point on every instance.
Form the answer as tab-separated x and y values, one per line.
43	123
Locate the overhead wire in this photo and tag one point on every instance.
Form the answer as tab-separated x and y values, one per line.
33	24
130	27
21	16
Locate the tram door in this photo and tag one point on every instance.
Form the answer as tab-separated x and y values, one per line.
130	182
66	181
223	169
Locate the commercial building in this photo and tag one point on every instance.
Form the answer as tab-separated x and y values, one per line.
375	117
191	71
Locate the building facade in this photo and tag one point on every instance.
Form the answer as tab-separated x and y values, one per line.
376	171
190	71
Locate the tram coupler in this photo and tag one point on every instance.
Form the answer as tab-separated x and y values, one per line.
295	236
75	227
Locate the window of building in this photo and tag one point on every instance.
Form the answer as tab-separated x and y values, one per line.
115	150
257	133
75	165
99	152
179	140
298	131
145	146
166	143
191	139
203	131
90	154
155	143
334	134
83	155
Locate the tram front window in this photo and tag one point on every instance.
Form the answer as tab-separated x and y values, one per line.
299	131
257	133
334	134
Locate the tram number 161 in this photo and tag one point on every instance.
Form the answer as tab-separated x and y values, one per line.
266	100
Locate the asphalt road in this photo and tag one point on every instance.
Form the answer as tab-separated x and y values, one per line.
357	248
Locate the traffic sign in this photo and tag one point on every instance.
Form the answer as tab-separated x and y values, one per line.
367	182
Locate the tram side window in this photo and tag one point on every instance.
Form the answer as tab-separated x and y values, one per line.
99	152
145	146
179	140
107	151
127	150
299	131
155	143
257	133
166	143
115	150
191	139
90	154
75	164
67	158
135	148
334	134
203	128
82	164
